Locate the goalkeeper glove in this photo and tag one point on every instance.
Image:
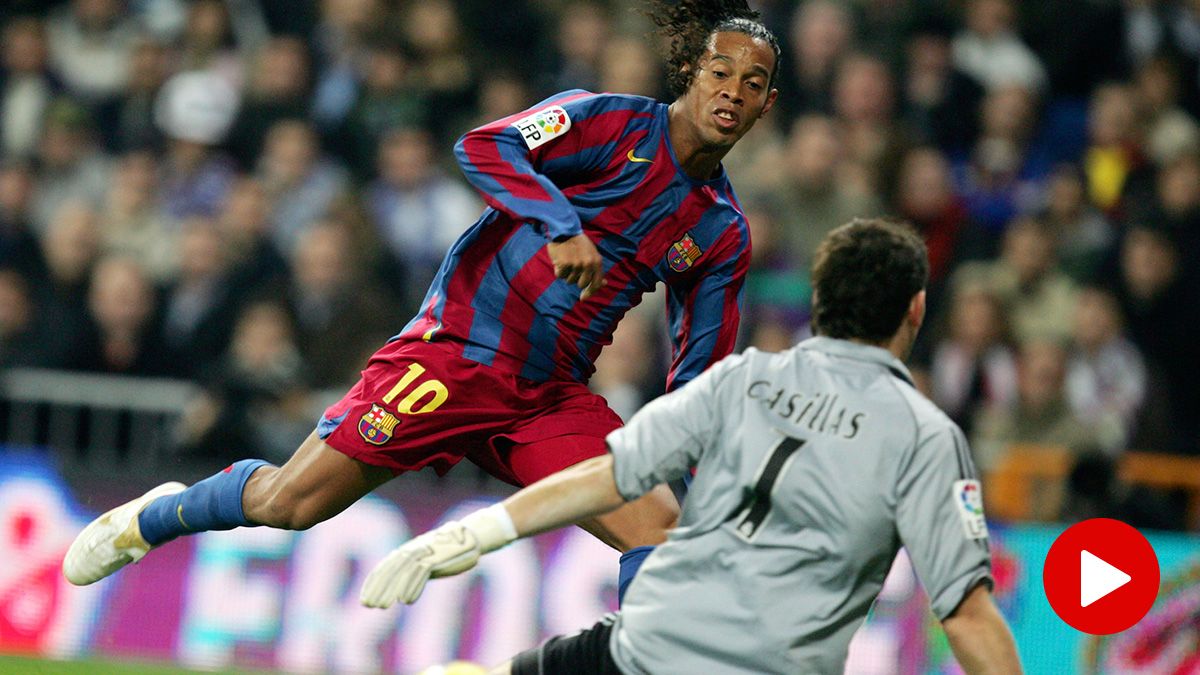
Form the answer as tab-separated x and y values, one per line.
451	549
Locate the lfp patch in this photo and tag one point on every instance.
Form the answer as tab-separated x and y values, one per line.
683	254
543	126
376	425
968	500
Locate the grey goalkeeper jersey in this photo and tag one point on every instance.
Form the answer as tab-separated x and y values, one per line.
813	468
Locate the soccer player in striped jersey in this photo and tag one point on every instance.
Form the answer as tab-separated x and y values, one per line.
593	199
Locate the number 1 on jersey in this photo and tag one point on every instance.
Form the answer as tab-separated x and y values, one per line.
757	503
406	404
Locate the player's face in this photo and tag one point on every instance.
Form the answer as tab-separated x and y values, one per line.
731	89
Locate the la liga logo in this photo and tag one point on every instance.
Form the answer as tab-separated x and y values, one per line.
551	121
971	498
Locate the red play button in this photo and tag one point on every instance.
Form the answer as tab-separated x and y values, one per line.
1101	576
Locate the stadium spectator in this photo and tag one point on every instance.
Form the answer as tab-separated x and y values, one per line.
813	197
625	372
1169	129
441	65
388	99
208	42
1106	376
1114	145
90	45
777	288
256	264
417	208
127	121
27	86
301	185
256	395
864	100
24	342
1040	417
939	100
583	30
1002	175
1159	304
132	221
19	248
337	310
70	164
70	247
1040	298
623	68
989	49
821	33
121	337
1085	237
278	90
972	366
195	110
197	310
340	39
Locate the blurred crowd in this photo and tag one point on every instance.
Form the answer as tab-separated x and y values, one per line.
254	194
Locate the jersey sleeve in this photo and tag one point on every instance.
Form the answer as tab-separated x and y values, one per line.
704	315
505	159
939	515
667	437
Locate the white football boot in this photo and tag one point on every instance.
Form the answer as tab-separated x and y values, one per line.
111	541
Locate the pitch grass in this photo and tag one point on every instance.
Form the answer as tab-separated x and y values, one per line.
17	665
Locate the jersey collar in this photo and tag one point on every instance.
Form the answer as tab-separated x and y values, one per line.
860	352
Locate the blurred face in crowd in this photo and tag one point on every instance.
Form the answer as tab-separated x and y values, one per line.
763	232
207	25
821	32
281	71
352	16
1179	185
121	297
15	307
623	68
97	13
1097	319
134	183
1040	371
406	158
1113	115
990	18
925	188
1065	195
16	187
863	91
148	67
289	152
582	32
387	69
432	27
1008	113
71	242
813	151
322	259
1028	249
201	255
730	91
62	145
24	47
501	96
263	335
1157	84
976	319
1149	262
244	216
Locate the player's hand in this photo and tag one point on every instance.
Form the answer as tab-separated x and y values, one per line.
577	261
401	576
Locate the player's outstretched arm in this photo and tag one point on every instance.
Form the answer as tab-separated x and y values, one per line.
980	637
581	491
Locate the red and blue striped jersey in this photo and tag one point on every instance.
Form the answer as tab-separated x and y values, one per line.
601	164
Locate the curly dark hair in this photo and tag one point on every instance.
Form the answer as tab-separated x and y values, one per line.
864	275
688	24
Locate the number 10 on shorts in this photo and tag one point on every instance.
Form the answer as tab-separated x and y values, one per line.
417	395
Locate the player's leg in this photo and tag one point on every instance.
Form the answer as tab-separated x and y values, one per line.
317	483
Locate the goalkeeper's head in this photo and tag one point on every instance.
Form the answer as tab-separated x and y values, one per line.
869	280
722	65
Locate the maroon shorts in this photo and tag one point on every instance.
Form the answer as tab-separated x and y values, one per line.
419	404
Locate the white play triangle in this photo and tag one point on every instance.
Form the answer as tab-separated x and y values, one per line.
1097	578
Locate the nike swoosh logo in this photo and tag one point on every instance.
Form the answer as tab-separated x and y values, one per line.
638	159
179	515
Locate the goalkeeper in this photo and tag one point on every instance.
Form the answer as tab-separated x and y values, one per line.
814	466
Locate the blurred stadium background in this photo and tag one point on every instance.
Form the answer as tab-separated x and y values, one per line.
211	211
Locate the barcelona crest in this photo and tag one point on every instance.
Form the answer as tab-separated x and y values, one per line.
683	254
376	426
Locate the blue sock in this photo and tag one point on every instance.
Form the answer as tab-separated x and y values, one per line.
214	503
631	562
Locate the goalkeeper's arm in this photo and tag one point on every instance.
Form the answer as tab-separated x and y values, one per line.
980	637
573	494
